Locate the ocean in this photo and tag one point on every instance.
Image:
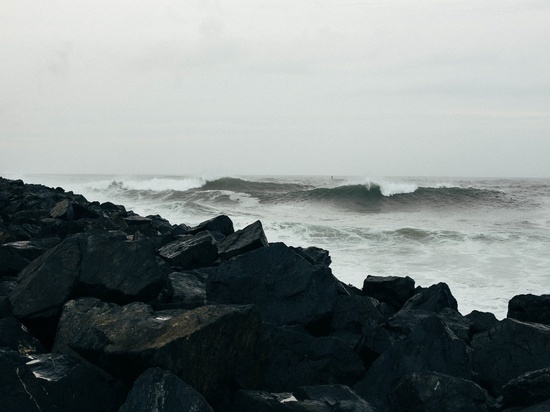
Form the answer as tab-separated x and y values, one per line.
488	239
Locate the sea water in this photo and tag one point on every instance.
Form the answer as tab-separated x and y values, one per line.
488	239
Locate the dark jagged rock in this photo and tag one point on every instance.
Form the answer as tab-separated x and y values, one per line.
68	210
222	224
11	263
286	288
136	223
72	386
434	299
20	390
431	346
392	290
31	249
432	391
294	358
14	335
338	397
191	252
508	350
351	312
208	347
530	308
160	390
481	321
263	401
182	290
528	389
375	339
314	254
242	241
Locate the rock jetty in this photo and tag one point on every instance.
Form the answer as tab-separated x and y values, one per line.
105	310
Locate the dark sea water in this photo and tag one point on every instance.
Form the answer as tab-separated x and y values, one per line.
488	239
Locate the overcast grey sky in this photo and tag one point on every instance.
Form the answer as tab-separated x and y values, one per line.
351	87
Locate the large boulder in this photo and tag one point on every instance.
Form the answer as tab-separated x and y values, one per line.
222	224
431	346
393	290
160	390
286	288
509	349
210	347
191	252
434	299
242	241
528	389
432	391
294	358
77	387
183	290
530	308
14	335
20	390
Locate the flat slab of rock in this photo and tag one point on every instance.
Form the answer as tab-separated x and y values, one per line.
191	252
205	346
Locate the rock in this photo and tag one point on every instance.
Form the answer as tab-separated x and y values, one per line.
210	347
191	252
392	290
530	308
262	401
481	321
31	249
72	386
11	263
294	358
527	389
69	210
508	350
431	346
434	299
351	312
431	391
161	391
20	390
375	339
222	224
48	282
314	254
118	271
338	397
242	241
286	288
182	290
15	336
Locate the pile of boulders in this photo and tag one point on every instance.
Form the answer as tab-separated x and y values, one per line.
105	310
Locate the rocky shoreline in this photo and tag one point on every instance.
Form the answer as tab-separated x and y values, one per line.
105	310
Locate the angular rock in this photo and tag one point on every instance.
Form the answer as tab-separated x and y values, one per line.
15	336
434	299
72	386
286	288
528	389
191	252
182	290
222	224
314	254
338	397
481	321
209	347
509	349
262	401
11	263
47	282
375	339
432	391
160	390
295	358
120	271
351	312
20	390
242	241
31	249
392	290
431	346
530	308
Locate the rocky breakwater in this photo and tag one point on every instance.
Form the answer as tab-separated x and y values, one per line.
105	310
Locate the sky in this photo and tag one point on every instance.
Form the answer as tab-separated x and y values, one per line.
299	87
